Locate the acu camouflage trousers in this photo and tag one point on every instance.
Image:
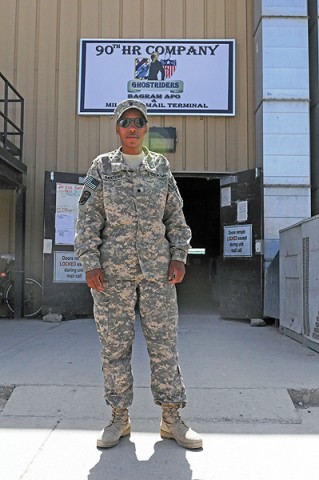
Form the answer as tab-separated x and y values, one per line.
114	312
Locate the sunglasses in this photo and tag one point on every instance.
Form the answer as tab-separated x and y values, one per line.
126	122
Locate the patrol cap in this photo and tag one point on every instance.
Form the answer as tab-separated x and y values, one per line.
127	105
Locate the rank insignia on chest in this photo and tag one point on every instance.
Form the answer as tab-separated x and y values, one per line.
91	182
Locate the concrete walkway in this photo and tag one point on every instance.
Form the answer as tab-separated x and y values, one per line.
237	379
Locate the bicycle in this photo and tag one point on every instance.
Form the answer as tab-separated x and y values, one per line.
32	290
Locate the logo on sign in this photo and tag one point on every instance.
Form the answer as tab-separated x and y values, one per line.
152	68
169	67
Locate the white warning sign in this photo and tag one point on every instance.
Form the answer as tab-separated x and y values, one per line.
237	241
68	268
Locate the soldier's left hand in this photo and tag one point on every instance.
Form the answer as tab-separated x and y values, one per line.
176	271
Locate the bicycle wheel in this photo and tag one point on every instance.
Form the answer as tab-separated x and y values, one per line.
32	297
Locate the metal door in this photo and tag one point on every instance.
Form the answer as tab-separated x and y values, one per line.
240	265
64	289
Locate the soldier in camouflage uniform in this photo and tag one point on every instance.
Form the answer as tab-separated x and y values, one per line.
132	239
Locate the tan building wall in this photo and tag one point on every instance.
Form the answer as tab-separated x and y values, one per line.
39	49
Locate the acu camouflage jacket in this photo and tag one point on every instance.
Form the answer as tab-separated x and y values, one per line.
131	217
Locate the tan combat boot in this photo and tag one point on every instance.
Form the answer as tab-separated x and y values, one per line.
172	426
119	426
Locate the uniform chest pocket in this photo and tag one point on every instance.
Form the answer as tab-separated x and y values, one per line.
158	182
114	186
155	188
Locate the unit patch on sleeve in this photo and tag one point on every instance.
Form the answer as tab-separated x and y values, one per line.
91	182
84	197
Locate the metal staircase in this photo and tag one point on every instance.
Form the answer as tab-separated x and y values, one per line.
12	170
12	167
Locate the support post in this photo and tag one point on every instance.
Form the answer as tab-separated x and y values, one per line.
19	253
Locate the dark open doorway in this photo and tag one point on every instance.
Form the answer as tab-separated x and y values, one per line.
199	291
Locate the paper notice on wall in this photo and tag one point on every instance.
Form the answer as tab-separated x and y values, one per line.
67	199
242	211
225	197
47	245
64	229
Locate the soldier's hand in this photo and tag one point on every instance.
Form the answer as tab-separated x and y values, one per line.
176	271
95	279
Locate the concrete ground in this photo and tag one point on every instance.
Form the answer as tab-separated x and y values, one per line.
237	379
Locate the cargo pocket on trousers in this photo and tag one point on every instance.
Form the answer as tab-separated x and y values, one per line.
101	314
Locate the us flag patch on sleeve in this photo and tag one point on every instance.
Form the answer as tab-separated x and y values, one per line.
91	182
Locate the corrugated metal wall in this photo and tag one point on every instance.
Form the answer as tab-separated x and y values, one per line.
39	46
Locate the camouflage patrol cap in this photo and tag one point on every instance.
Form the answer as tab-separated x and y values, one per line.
127	105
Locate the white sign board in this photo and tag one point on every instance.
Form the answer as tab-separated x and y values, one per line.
237	241
67	268
173	77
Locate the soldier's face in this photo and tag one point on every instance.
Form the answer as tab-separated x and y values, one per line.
131	137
